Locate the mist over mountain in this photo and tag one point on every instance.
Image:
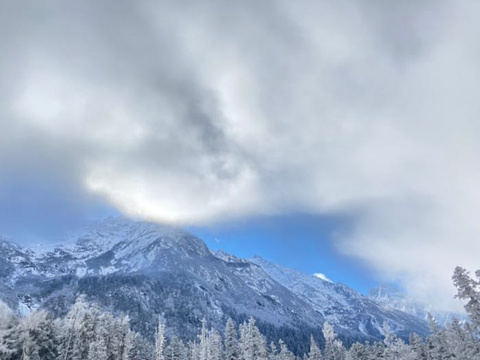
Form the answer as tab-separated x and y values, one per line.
391	298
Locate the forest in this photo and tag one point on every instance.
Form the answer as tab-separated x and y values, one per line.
90	333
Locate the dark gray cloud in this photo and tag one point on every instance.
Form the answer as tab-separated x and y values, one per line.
196	112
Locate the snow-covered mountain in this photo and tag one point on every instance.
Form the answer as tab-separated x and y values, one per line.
146	269
350	312
391	298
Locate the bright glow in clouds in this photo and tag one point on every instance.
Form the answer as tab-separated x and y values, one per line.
196	112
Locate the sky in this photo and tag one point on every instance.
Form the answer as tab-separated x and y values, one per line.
354	124
299	241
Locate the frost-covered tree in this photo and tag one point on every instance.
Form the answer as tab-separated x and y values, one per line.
160	340
395	348
258	343
418	346
203	337
437	348
334	349
357	352
284	353
78	331
469	289
121	338
273	352
37	337
315	353
100	348
376	351
141	349
252	342
215	346
461	341
175	350
232	352
9	334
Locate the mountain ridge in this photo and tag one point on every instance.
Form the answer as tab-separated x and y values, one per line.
145	269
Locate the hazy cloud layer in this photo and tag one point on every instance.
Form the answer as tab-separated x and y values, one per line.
196	112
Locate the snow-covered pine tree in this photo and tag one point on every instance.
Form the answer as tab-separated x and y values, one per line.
315	353
74	337
160	340
284	353
334	349
175	350
193	350
37	337
141	349
252	343
232	351
258	349
9	333
215	346
273	353
461	341
357	352
418	346
469	289
376	351
100	347
244	342
395	348
437	347
204	341
472	341
121	338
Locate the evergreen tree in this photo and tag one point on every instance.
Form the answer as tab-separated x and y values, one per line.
315	353
100	348
75	337
175	349
437	348
160	340
273	353
215	348
285	354
232	352
9	334
357	352
204	343
376	351
469	289
257	342
37	337
141	349
334	349
418	346
395	348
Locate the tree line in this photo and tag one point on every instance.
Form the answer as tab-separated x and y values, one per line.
90	333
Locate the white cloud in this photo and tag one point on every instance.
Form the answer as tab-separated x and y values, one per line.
322	277
195	113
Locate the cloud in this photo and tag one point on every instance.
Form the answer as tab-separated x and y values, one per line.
322	277
198	112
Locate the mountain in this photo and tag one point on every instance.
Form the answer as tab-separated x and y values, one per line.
349	311
147	270
391	298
